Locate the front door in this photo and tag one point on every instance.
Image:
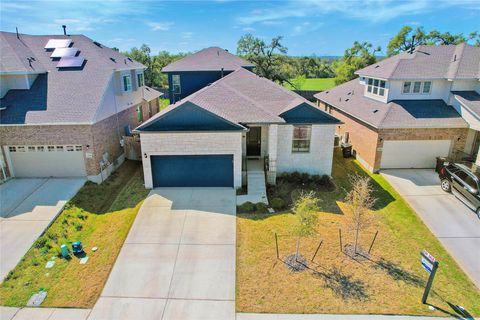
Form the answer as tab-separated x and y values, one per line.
254	137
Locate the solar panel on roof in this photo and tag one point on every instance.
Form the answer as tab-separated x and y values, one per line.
64	52
70	62
58	43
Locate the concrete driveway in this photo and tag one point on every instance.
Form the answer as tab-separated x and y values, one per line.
27	207
453	223
178	261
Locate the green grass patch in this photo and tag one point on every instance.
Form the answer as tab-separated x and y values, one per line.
98	215
164	103
319	84
390	281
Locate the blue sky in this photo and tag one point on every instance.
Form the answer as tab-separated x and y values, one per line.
321	27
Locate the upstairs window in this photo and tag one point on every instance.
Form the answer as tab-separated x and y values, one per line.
301	138
376	86
140	79
417	87
127	83
176	87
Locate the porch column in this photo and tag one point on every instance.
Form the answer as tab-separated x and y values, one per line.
272	153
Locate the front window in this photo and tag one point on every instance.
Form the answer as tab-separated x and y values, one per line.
417	87
176	87
301	138
127	83
376	86
426	86
141	79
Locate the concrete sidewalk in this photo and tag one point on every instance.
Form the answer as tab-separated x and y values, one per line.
452	222
178	261
8	313
256	186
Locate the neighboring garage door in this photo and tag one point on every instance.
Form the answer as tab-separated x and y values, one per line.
192	171
413	153
47	161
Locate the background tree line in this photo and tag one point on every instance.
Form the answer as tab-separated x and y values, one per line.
273	62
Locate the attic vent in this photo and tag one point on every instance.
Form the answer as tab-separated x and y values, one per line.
454	57
377	66
98	44
349	93
113	60
130	59
346	100
327	91
375	111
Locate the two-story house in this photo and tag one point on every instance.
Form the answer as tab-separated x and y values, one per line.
198	70
66	103
406	110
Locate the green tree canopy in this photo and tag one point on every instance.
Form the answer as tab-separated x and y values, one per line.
357	57
267	58
408	38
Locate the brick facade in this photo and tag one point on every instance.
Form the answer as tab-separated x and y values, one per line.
95	139
367	141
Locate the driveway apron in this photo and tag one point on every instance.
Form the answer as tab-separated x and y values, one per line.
452	222
178	261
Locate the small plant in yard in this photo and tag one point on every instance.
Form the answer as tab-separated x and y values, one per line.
305	209
361	203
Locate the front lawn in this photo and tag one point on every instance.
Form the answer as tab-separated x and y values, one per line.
99	216
390	281
317	84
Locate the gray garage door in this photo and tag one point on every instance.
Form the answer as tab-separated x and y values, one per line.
47	161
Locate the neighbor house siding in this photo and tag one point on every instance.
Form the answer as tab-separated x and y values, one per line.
95	139
193	81
317	161
458	136
197	143
367	142
363	138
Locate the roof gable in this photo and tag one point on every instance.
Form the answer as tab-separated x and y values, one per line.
209	59
306	113
188	117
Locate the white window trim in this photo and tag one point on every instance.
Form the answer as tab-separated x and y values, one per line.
309	138
127	87
372	87
179	84
422	85
143	79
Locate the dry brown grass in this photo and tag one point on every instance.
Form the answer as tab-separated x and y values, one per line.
391	281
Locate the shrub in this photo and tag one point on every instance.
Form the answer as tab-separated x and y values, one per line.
296	193
78	226
325	180
261	207
40	243
52	235
247	207
277	203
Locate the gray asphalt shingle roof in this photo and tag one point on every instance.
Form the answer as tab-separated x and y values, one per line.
209	59
243	97
470	99
348	98
69	96
429	62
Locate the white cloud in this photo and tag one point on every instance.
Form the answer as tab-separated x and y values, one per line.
187	35
248	29
160	26
369	10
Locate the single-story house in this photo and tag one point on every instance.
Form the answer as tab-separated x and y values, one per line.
206	138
